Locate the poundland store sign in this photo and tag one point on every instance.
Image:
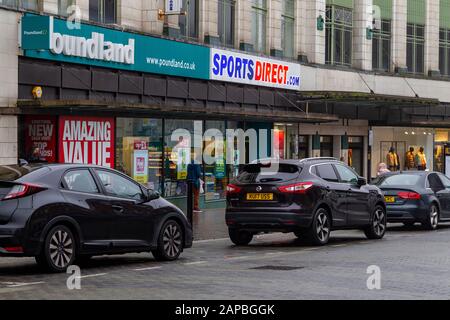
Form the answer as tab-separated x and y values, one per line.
50	38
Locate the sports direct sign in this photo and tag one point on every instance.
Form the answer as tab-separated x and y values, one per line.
242	68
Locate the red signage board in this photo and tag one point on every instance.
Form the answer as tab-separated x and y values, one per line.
87	140
40	132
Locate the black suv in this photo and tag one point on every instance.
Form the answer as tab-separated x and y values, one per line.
309	197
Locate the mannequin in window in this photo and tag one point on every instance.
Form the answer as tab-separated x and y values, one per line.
410	159
392	160
421	160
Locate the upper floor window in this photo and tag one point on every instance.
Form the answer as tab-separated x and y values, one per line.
415	48
444	51
188	23
32	5
226	22
287	28
259	25
63	5
339	34
104	11
381	47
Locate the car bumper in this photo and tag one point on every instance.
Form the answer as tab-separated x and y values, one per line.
406	213
188	237
11	241
268	221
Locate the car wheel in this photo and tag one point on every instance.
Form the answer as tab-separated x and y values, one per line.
59	250
378	225
240	237
432	221
170	242
319	233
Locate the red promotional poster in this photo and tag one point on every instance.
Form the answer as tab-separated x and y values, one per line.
40	132
88	140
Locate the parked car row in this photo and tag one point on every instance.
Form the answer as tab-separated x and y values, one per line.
65	213
312	197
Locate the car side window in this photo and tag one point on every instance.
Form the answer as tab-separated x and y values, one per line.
326	172
434	182
80	181
119	186
445	180
346	174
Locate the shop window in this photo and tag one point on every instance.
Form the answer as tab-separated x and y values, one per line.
63	6
259	25
287	28
139	150
381	47
339	34
356	154
226	24
177	155
303	147
188	23
444	52
415	46
104	11
326	146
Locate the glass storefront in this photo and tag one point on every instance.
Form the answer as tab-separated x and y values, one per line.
400	148
355	153
326	146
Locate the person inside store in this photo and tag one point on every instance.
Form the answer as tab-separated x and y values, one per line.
393	161
421	160
194	174
382	169
410	159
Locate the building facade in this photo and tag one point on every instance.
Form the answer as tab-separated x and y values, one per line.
342	78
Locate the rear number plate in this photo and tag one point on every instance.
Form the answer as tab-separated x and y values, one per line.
260	196
389	199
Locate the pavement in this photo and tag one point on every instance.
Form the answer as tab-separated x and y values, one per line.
414	264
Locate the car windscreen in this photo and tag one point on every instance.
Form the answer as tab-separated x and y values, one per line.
252	173
399	180
15	172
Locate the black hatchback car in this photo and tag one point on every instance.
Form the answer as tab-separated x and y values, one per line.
309	197
416	196
64	213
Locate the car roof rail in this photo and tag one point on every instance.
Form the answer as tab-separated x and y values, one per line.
318	159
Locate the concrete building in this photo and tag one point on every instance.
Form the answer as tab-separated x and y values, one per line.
366	76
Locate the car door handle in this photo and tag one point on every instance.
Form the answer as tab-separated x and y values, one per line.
117	208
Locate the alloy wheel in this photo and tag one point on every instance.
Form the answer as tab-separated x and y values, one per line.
379	224
434	217
172	240
323	226
61	248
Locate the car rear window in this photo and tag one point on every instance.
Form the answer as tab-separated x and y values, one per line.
399	180
14	172
251	173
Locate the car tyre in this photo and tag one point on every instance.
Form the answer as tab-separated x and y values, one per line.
319	233
59	250
240	237
170	242
432	221
378	225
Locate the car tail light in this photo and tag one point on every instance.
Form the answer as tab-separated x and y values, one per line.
22	190
409	195
231	188
301	187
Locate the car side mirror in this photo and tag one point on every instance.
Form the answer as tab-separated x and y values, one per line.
361	182
152	195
